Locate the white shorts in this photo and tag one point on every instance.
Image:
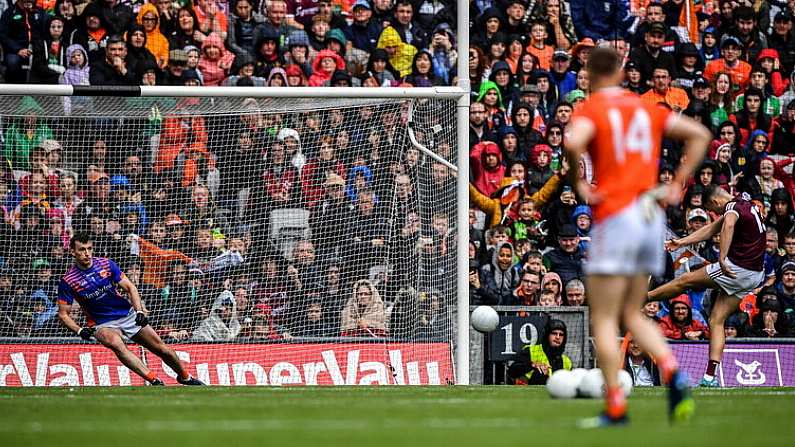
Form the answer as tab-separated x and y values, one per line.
628	243
739	287
126	325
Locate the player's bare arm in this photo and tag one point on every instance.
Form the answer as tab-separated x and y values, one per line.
726	236
702	234
66	319
696	139
578	135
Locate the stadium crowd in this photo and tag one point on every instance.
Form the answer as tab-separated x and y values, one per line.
175	210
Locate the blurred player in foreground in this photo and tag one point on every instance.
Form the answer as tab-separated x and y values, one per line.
622	134
740	266
93	283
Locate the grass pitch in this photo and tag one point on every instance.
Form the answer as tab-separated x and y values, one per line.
387	416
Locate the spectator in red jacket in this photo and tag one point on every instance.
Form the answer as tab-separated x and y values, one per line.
679	324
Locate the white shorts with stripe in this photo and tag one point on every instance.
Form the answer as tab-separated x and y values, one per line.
126	325
629	243
739	287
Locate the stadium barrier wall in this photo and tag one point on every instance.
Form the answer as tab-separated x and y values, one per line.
745	363
32	363
520	325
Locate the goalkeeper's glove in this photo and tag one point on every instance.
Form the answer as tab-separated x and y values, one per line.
140	319
86	333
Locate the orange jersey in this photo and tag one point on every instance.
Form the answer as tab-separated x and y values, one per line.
625	149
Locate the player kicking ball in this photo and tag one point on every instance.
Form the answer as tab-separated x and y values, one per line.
93	283
622	134
740	268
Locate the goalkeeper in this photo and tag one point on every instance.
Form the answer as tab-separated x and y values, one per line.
94	283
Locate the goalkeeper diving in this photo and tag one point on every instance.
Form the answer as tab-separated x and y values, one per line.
94	283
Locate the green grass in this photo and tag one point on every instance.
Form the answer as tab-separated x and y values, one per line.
410	416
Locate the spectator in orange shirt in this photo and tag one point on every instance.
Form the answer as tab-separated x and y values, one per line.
738	70
538	47
663	92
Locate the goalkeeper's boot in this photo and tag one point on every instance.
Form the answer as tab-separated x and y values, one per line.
705	383
681	405
602	421
190	381
157	382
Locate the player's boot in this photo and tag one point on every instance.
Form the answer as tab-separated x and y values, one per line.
157	382
602	421
190	381
681	405
704	383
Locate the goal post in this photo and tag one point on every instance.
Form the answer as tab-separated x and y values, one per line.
377	137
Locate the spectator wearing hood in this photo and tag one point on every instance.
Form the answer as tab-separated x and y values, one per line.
552	283
243	68
768	60
534	364
487	168
295	76
138	54
156	42
508	141
215	61
400	53
502	76
539	171
582	218
499	278
49	54
92	32
364	314
525	119
679	324
444	53
492	98
25	133
222	324
267	53
324	66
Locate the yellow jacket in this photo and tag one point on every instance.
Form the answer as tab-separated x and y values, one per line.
492	207
403	57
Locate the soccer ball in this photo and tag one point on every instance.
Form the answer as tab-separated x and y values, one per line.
625	380
592	384
562	384
484	319
578	374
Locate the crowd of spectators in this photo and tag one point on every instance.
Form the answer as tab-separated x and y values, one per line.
726	63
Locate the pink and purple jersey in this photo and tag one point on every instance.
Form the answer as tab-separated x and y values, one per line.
95	289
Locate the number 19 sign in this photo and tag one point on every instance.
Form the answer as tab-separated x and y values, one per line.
513	333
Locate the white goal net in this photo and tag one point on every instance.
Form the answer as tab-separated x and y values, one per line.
273	241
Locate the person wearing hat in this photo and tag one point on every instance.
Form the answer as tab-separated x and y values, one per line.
700	89
738	70
177	62
564	79
650	54
633	78
697	218
515	11
535	363
689	66
580	52
655	13
782	40
400	53
566	259
489	22
362	33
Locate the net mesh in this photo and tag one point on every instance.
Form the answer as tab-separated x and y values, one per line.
312	225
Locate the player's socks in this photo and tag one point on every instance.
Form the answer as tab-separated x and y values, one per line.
668	366
616	403
712	366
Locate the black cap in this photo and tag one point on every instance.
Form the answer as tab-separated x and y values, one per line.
688	49
788	266
567	230
657	27
783	16
631	66
730	40
700	82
